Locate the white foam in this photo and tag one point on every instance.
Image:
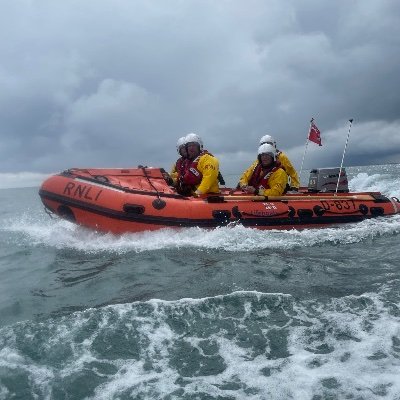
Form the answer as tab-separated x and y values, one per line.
356	337
358	330
384	183
348	365
11	359
61	234
132	375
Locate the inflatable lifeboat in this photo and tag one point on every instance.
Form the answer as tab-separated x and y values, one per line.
139	199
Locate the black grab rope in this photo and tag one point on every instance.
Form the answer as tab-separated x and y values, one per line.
158	204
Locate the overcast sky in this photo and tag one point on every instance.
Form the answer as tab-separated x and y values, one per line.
106	83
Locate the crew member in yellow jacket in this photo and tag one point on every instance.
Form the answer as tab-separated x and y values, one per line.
267	177
201	171
294	181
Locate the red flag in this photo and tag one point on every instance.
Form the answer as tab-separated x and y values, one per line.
314	135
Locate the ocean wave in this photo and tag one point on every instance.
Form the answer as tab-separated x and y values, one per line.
240	345
387	184
61	234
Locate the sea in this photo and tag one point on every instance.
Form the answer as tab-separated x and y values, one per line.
225	314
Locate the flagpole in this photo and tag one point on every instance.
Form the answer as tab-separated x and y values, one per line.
305	149
344	151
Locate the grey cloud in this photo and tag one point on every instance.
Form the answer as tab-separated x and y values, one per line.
102	83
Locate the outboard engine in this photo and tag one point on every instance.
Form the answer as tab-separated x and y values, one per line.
325	180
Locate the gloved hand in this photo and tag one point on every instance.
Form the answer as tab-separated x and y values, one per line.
197	193
249	189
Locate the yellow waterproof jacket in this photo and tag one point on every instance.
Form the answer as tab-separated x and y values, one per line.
288	167
245	178
174	174
208	165
277	181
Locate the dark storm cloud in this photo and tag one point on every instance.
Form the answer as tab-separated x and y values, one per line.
116	83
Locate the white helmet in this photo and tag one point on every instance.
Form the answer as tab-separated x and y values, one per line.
181	142
267	149
192	137
268	139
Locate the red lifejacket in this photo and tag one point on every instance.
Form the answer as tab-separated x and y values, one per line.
180	166
193	176
260	176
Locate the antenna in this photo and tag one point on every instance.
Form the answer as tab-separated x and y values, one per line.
344	151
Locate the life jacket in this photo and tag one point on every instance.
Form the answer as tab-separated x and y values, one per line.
259	178
195	171
180	166
188	175
193	176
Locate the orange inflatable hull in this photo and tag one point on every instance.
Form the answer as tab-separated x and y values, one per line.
139	199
